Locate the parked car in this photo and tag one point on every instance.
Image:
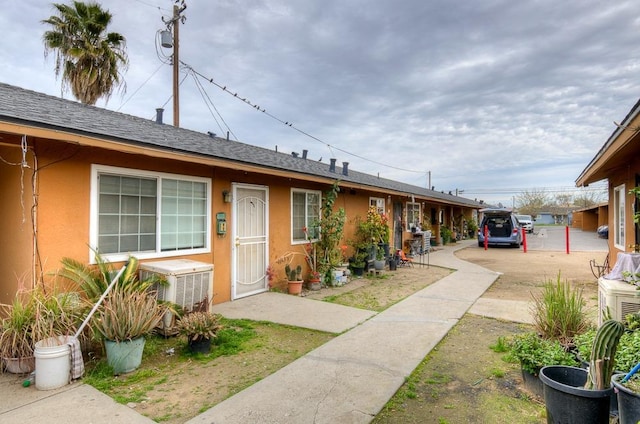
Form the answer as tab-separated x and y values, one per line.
526	222
603	231
503	228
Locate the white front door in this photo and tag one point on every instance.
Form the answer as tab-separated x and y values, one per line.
250	223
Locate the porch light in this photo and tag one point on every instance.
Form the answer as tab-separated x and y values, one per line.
226	196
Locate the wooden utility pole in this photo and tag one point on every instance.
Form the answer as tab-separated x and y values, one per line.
173	25
176	66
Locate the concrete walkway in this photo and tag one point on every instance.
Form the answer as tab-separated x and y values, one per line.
350	378
347	380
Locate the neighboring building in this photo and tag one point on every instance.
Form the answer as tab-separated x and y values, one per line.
554	215
618	162
76	177
590	218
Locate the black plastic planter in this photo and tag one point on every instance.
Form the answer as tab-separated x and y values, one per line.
393	265
200	346
568	402
628	402
532	383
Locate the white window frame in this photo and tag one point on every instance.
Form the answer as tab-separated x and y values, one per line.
308	219
619	217
378	203
411	206
96	170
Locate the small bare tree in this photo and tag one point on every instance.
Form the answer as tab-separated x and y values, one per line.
532	202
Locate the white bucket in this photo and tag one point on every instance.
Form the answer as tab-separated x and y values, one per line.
53	363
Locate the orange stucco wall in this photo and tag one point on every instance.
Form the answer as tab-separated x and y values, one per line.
15	223
624	175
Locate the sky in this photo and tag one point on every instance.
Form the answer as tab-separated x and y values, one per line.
489	98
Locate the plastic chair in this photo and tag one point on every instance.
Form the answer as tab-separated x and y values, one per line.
403	260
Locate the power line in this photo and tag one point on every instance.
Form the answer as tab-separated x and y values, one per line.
208	102
152	5
141	85
292	126
558	189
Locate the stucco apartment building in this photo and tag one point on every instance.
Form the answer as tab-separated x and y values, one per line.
77	178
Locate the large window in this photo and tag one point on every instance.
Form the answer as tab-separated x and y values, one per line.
305	212
413	215
148	214
619	217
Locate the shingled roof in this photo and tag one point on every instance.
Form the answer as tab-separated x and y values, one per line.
31	108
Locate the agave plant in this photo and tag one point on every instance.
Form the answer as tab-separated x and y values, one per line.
200	325
128	314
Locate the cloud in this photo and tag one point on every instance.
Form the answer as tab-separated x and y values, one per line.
494	94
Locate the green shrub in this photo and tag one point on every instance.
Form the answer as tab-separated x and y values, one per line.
627	355
533	352
558	312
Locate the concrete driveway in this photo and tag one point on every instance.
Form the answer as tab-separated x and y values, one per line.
554	238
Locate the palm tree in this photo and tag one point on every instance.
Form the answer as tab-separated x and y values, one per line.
89	59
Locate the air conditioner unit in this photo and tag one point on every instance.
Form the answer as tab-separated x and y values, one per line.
190	283
619	297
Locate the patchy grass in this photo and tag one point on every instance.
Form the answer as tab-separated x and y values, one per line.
173	385
464	379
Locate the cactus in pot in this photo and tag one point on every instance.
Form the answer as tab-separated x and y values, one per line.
603	352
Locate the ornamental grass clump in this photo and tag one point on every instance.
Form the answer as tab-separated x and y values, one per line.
558	313
200	325
127	315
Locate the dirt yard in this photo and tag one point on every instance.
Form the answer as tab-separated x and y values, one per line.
462	380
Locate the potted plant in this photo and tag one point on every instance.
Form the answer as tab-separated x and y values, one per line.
294	279
200	328
576	395
533	353
311	258
558	318
445	234
626	382
16	335
315	281
329	254
627	388
358	262
124	318
379	261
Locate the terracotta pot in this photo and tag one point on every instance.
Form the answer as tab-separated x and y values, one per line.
295	287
